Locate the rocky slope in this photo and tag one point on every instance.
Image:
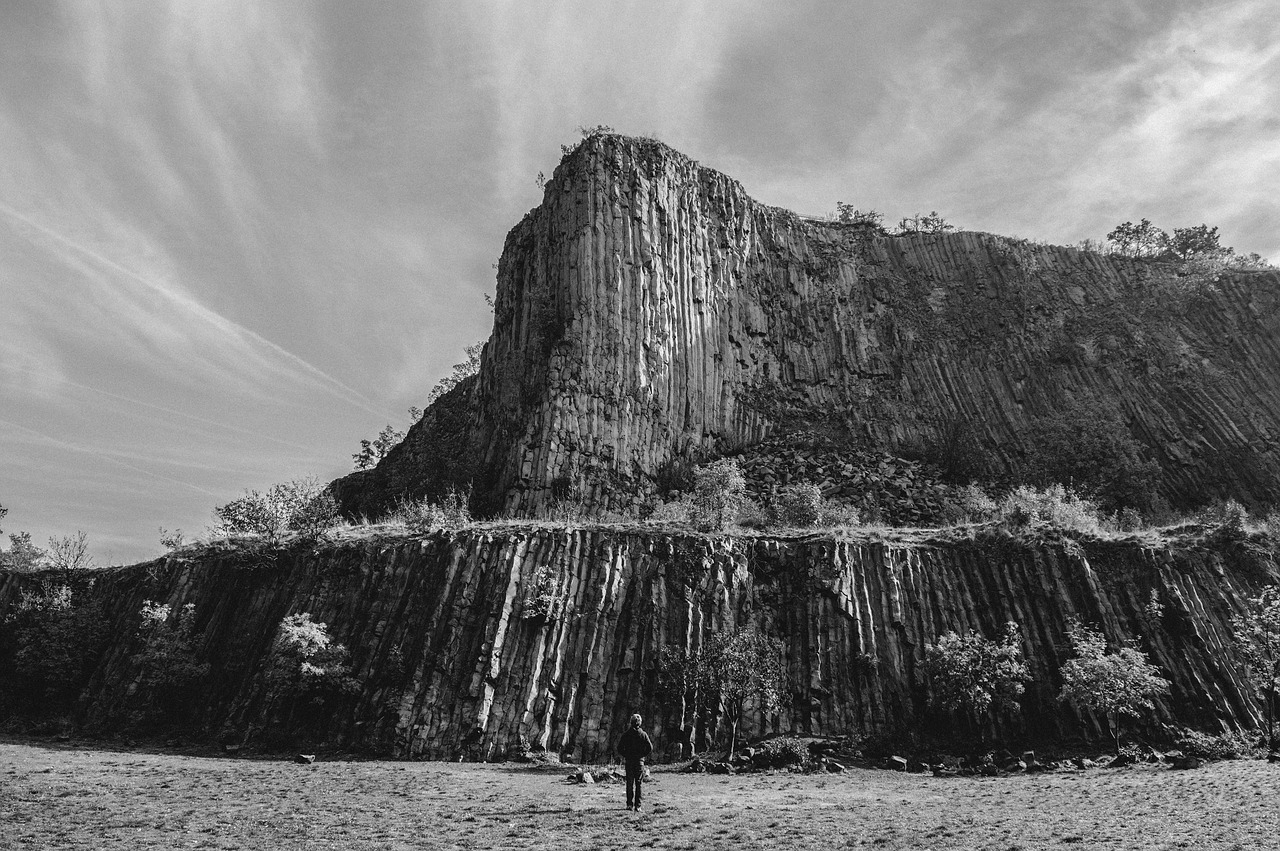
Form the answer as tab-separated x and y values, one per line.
649	307
551	637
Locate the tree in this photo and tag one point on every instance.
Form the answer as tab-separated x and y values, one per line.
23	556
719	491
372	452
1257	638
1199	242
975	675
870	219
725	671
1141	240
70	552
1115	684
461	372
308	671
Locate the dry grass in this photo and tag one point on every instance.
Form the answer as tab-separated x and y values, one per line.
67	797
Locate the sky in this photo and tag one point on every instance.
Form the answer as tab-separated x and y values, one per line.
238	237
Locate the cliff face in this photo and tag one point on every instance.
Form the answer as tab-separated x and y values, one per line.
553	637
649	306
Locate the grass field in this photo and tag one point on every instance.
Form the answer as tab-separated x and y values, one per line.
67	796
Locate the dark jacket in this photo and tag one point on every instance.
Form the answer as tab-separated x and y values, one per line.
635	745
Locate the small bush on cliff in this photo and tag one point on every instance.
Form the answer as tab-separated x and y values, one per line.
1257	639
1054	506
1116	685
426	515
167	661
302	506
719	493
798	506
977	676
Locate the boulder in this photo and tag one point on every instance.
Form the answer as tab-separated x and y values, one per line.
305	758
916	767
1184	762
1120	761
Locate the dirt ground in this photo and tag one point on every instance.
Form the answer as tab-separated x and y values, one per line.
70	796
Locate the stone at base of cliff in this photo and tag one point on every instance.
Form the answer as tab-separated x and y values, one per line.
1273	757
1184	762
305	758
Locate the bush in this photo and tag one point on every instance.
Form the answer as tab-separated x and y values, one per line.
1228	745
719	491
974	505
977	675
798	505
303	506
424	515
305	661
1054	506
781	752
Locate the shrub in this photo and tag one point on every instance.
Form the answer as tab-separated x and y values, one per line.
167	660
783	751
976	675
303	506
424	515
1054	506
676	513
1229	745
836	513
928	223
541	602
798	505
1115	684
975	505
1228	520
718	493
172	541
305	663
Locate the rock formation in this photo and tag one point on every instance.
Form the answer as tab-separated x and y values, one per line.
649	307
551	638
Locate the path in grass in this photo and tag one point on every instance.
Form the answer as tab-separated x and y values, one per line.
69	797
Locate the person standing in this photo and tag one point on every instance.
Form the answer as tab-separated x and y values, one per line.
633	747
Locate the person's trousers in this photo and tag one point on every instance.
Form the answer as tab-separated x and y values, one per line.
635	774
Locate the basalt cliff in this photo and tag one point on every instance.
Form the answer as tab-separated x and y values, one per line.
649	310
495	641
